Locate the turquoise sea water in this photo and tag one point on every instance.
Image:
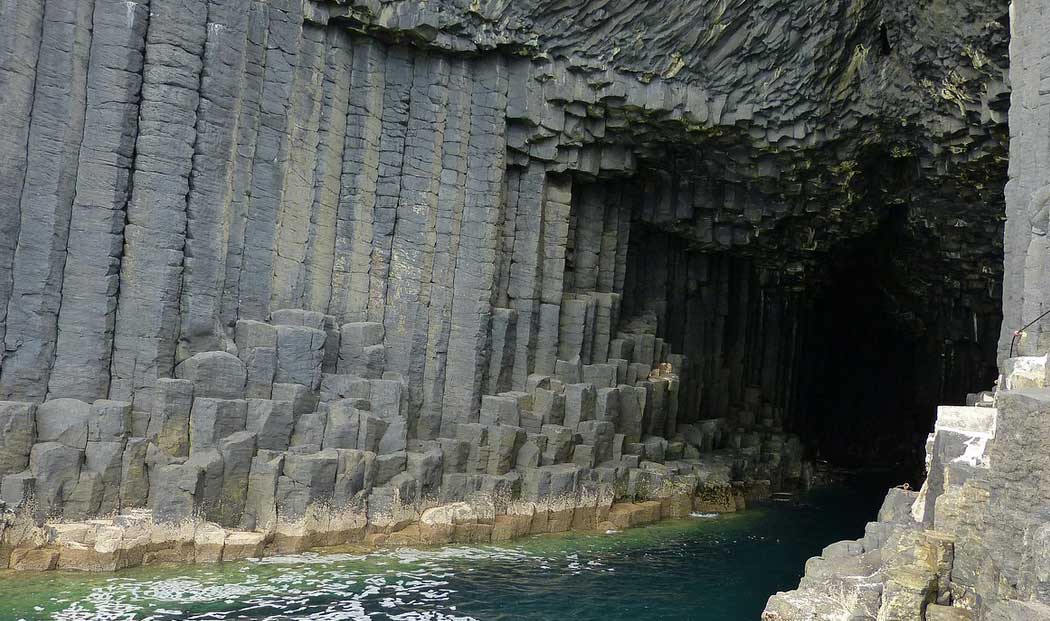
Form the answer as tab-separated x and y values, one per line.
705	568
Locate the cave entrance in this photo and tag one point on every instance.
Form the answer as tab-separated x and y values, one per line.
885	353
851	347
867	400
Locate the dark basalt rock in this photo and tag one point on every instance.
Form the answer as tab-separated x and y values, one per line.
309	267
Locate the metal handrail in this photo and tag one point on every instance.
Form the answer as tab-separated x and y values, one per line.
1018	333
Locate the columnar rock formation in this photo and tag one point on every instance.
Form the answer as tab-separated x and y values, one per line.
264	257
973	542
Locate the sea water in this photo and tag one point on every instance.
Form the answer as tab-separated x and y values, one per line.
709	567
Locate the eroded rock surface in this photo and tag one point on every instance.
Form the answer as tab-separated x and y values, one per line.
308	268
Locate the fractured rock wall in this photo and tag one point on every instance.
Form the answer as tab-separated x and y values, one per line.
258	256
972	543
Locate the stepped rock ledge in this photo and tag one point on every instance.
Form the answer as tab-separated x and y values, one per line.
278	275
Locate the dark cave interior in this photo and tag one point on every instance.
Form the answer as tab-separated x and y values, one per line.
852	348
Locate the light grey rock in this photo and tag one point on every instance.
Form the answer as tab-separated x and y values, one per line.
500	410
17	490
106	459
505	442
310	428
559	444
335	387
47	189
426	468
83	349
354	477
297	317
342	430
389	466
361	350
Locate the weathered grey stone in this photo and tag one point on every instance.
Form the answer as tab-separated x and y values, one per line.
16	490
559	444
598	434
260	369
271	421
307	479
568	372
17	432
342	430
632	410
579	404
210	463
310	428
174	492
426	468
335	387
250	335
361	350
110	421
169	423
505	442
211	420
106	459
601	375
56	469
63	420
260	506
300	352
303	399
297	317
389	465
215	375
134	480
237	452
355	476
549	406
607	405
500	410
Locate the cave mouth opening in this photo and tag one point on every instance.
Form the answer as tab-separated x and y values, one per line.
886	350
852	353
875	368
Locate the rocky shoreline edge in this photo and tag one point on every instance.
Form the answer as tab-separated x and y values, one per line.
134	539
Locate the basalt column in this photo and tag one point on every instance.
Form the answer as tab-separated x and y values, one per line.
262	255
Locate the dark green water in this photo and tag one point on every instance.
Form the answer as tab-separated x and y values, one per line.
705	568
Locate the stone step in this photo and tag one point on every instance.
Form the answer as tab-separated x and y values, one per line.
1024	372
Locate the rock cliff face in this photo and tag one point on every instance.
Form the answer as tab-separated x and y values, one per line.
263	257
972	543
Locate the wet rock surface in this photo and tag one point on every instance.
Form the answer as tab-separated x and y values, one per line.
968	545
334	463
